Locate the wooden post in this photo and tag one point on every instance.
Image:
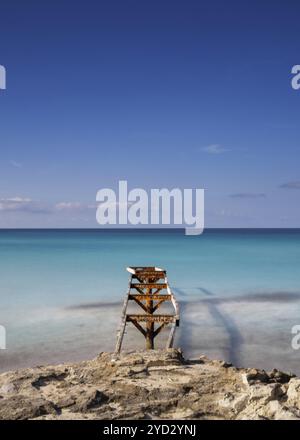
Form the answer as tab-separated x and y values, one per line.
123	320
149	325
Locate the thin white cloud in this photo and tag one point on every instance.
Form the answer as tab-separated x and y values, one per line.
18	199
22	204
26	204
248	195
214	149
61	206
68	206
13	203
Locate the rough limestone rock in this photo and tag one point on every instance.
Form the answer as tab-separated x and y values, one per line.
155	384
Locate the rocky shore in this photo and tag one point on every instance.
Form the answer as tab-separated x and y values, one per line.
154	384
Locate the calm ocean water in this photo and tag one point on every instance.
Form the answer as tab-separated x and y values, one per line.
61	292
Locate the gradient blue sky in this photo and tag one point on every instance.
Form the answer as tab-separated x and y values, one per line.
160	93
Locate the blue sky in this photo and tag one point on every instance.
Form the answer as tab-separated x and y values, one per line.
163	94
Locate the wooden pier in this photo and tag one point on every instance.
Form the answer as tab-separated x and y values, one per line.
145	288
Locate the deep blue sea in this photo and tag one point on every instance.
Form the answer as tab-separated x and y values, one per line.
61	292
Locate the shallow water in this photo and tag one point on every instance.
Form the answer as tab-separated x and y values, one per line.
61	292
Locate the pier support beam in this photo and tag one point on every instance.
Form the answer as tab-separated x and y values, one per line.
147	295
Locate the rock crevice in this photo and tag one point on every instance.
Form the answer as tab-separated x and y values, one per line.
156	384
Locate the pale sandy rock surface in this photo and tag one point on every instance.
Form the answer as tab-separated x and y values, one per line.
154	384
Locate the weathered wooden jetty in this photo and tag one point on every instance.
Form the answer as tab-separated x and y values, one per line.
149	289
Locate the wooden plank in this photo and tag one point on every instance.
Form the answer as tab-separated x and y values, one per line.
147	273
170	340
151	318
138	326
140	269
150	273
158	286
140	303
123	321
148	278
149	324
174	302
157	305
154	297
140	291
159	329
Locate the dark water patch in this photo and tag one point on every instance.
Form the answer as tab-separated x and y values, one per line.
272	297
95	305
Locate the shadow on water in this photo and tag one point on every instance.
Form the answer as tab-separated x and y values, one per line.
205	291
234	336
210	301
184	339
95	305
179	292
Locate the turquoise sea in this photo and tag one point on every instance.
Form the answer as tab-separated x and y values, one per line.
61	292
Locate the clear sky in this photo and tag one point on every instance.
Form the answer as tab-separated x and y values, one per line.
160	93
